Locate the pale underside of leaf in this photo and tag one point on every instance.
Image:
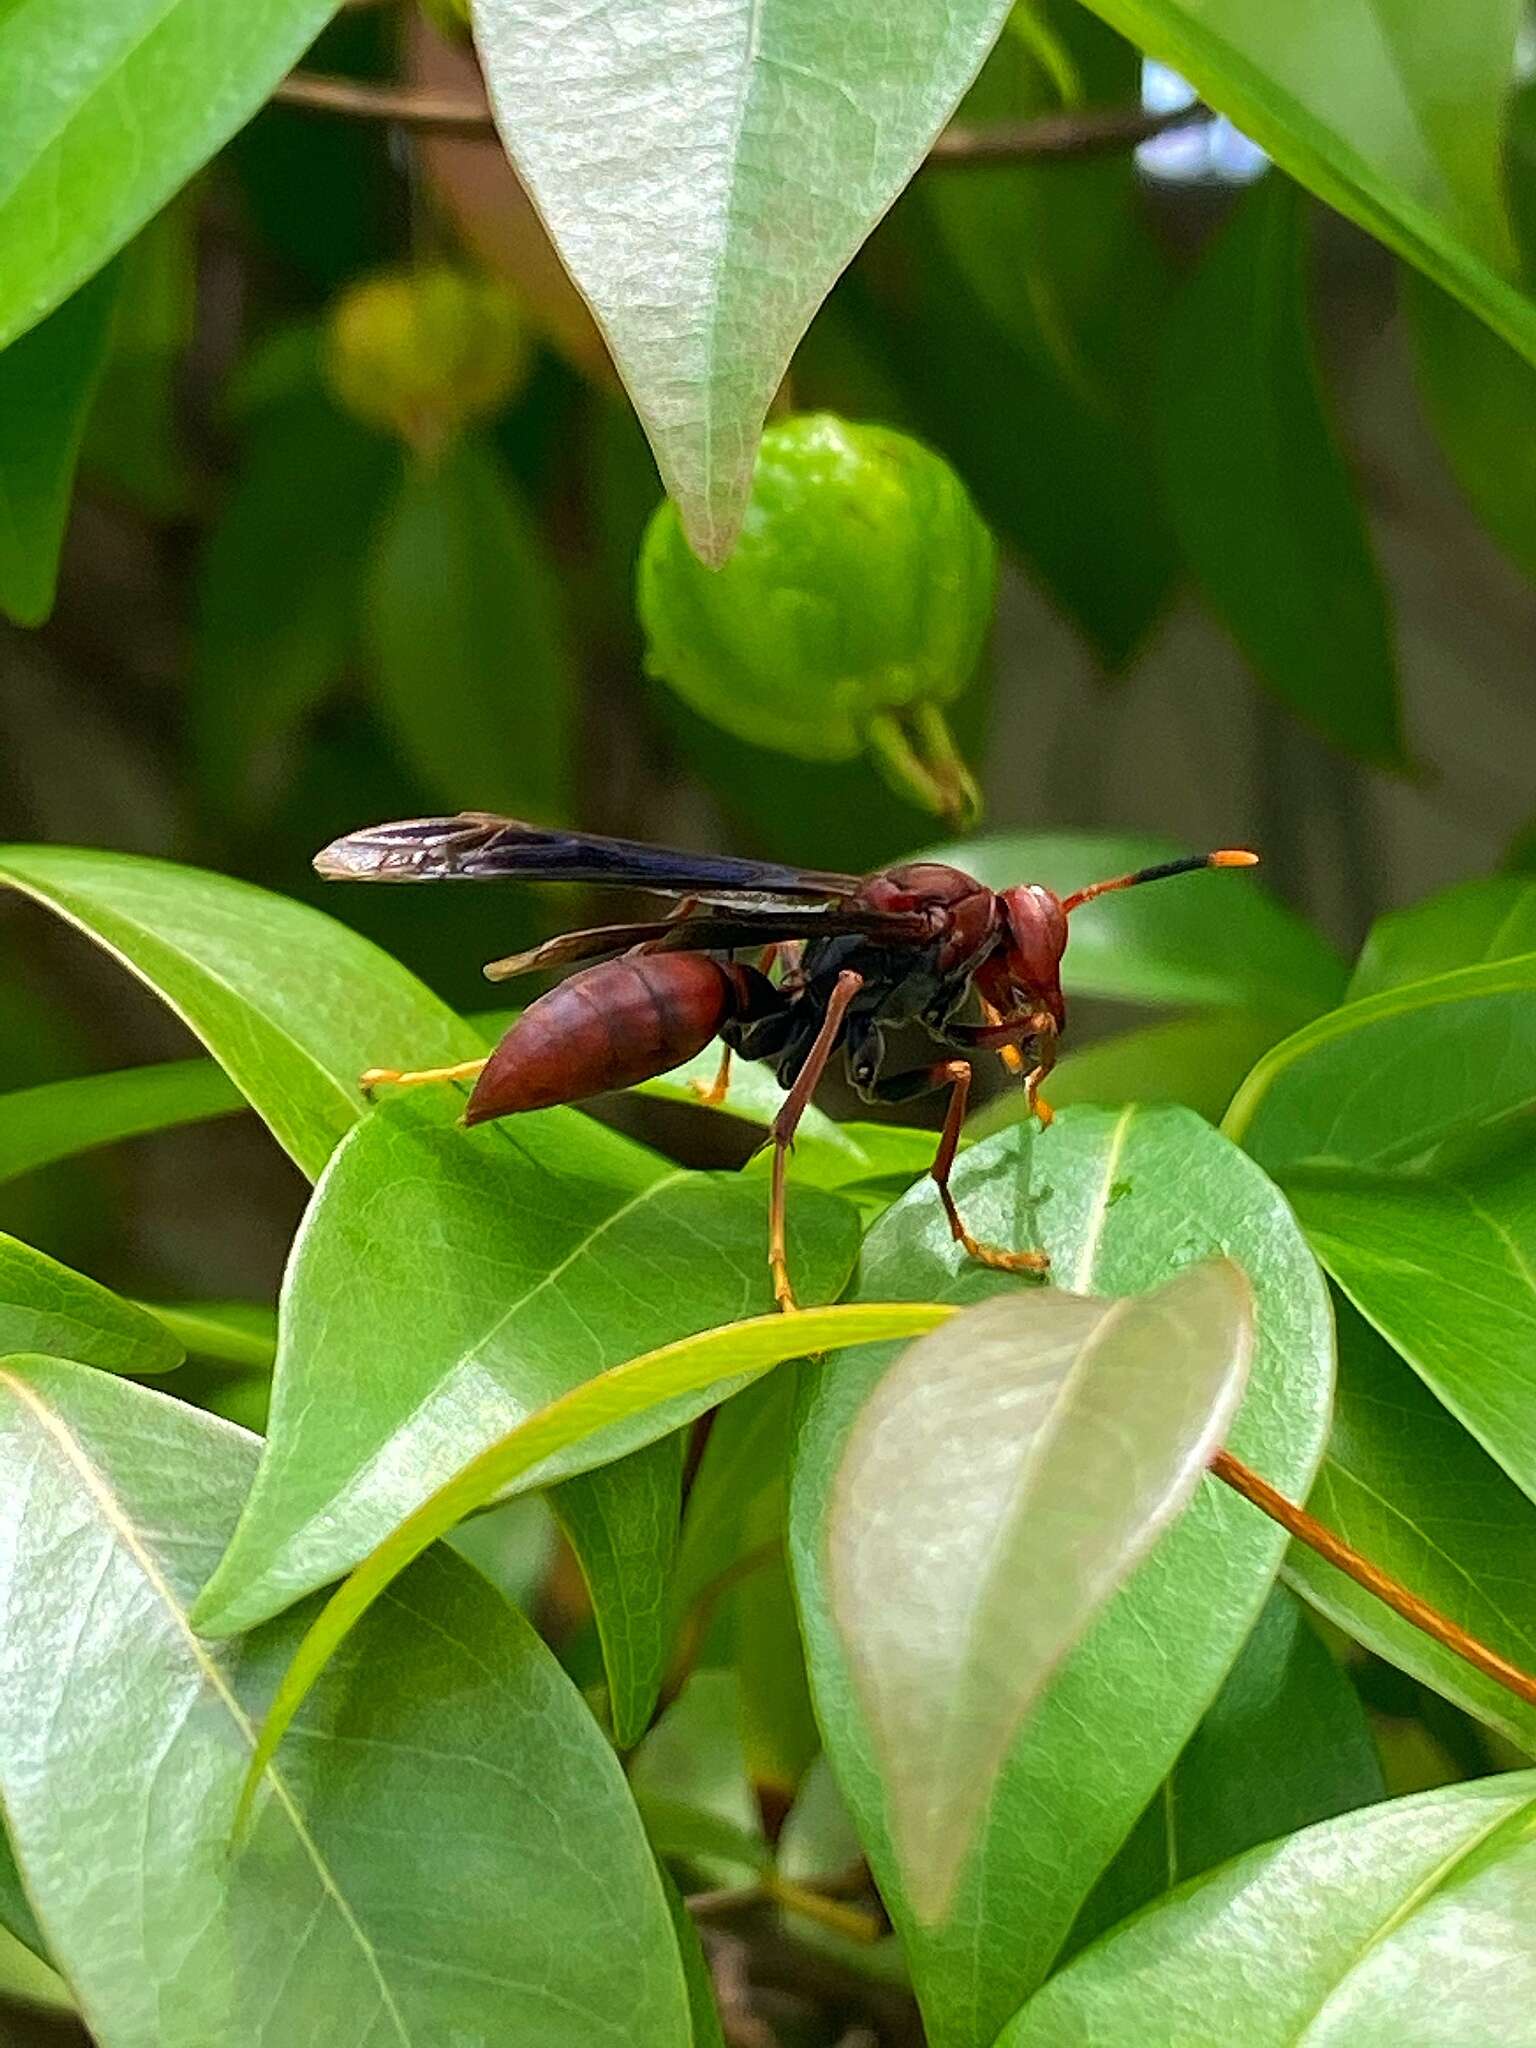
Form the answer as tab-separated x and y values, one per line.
706	169
1005	1479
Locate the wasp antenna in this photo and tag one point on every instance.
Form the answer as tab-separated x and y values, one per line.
1224	857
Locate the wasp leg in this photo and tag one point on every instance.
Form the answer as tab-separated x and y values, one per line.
378	1077
1010	1055
788	1118
1001	1035
713	1093
1045	1059
956	1075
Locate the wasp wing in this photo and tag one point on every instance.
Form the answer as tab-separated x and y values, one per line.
725	933
476	846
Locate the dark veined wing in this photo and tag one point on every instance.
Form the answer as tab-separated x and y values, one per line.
476	846
713	934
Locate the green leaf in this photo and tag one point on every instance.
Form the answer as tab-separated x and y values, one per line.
46	1306
622	1524
1286	1742
1035	372
280	593
1408	1487
1493	918
1350	1091
468	644
1215	940
1391	117
1122	1202
703	2013
1052	466
1479	396
777	134
61	1118
430	1861
603	1417
1199	1061
445	1286
135	449
110	110
1360	1932
16	1913
240	1333
997	1489
291	1004
1257	488
1417	1189
47	382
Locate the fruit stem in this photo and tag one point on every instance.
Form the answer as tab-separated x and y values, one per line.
916	753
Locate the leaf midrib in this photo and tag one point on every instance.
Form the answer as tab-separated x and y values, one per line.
1432	1882
120	1524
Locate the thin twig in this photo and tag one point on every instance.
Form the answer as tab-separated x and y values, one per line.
1343	1557
1090	132
805	1899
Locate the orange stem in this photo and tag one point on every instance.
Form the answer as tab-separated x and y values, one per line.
1343	1557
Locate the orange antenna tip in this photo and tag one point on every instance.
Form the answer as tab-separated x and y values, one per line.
1232	857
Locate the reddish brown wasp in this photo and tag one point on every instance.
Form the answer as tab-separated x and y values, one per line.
856	956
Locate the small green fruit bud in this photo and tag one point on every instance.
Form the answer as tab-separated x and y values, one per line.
425	353
855	605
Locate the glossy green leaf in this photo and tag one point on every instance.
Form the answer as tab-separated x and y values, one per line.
777	134
240	1333
1492	918
47	382
1216	940
280	594
428	1864
60	1118
1408	1487
291	1004
622	1524
1122	1201
999	1486
1199	1061
1392	117
1404	1081
46	1306
603	1417
468	643
1285	1743
1258	490
1362	1931
445	1286
109	111
1397	1125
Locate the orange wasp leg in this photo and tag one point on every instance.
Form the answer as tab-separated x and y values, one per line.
393	1077
787	1120
958	1074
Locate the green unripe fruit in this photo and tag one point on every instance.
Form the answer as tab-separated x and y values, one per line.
854	607
425	353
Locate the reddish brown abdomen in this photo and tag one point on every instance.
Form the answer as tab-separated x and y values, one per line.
606	1027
